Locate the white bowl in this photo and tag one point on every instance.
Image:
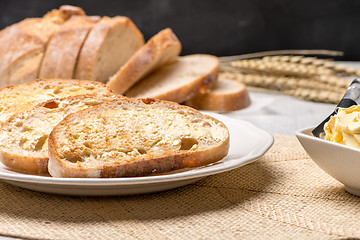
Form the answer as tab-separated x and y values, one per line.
339	161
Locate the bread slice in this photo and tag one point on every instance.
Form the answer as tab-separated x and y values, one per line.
226	95
15	99
64	47
180	80
134	137
110	43
23	138
23	44
162	48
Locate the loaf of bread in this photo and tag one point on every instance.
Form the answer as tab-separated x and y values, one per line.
85	48
110	43
23	137
134	137
19	98
66	43
162	48
64	47
22	45
226	95
180	80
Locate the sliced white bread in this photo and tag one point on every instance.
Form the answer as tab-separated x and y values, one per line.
162	48
110	43
64	47
23	44
134	137
180	80
23	137
15	99
226	95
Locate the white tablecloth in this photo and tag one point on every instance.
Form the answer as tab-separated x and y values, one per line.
281	114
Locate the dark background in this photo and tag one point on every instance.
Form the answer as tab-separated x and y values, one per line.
226	27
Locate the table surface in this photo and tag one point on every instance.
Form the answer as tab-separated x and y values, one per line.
279	114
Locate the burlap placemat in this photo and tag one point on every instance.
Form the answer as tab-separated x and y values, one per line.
283	195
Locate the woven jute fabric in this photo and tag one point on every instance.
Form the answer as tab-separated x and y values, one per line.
282	195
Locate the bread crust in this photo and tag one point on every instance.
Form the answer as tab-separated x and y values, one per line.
88	54
140	166
20	47
64	13
162	48
23	45
94	43
181	93
235	98
64	47
24	164
36	162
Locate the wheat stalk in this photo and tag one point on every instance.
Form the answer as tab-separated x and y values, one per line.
286	83
290	73
316	95
301	60
324	63
281	68
306	88
282	52
293	65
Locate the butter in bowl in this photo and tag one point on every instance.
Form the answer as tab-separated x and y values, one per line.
334	145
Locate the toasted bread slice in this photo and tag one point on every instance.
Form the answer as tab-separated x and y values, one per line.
180	80
162	48
226	95
110	43
64	47
23	44
15	99
23	138
134	137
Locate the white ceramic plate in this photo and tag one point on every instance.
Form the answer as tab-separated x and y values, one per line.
247	143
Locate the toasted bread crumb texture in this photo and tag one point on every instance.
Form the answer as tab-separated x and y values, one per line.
26	133
127	131
14	99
